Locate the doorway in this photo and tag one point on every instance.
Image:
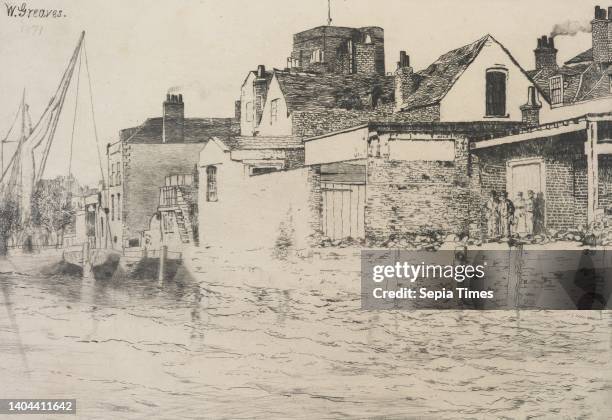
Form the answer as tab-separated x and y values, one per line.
523	175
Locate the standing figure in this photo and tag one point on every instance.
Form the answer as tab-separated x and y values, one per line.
538	214
529	207
506	215
492	215
519	214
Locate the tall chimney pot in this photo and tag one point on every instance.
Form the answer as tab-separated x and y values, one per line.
261	71
546	54
404	60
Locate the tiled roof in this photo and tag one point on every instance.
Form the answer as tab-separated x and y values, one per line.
196	130
432	84
583	81
585	56
263	142
307	91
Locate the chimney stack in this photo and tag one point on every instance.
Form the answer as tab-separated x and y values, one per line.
404	85
237	109
404	60
531	110
546	54
173	119
260	90
602	36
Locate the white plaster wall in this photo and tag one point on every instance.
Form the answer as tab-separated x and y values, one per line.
247	94
338	147
466	101
548	115
283	125
251	211
429	150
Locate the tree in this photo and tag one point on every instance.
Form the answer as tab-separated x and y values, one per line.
52	207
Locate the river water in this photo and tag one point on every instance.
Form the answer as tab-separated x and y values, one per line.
243	335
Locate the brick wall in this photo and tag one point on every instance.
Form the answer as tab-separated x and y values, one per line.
565	173
417	197
145	169
318	122
365	58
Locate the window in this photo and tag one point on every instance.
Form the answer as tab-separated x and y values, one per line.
496	93
118	173
273	111
113	207
368	39
249	111
316	56
211	183
118	206
610	83
556	89
111	178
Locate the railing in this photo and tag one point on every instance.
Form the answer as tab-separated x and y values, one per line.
168	196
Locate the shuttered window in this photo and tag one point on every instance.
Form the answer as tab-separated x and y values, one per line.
211	183
496	93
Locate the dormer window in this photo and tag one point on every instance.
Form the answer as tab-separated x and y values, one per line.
496	92
316	56
556	89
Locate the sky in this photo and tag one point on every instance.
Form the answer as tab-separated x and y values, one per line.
139	49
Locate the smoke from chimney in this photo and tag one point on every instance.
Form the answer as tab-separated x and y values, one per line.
570	28
175	89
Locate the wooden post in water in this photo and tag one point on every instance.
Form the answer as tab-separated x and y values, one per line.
163	254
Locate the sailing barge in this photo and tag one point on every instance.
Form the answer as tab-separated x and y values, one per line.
34	212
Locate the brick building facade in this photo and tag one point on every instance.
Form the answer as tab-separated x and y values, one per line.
144	156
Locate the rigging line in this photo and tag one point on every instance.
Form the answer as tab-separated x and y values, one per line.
56	116
93	114
13	124
4	140
76	107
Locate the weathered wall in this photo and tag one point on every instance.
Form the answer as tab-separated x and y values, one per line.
318	122
273	210
565	173
417	197
145	169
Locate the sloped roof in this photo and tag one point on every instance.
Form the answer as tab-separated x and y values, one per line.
195	130
584	56
433	83
308	91
597	85
584	81
264	142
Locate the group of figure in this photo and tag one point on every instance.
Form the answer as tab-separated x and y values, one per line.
524	216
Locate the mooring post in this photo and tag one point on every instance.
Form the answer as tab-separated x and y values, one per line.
163	254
